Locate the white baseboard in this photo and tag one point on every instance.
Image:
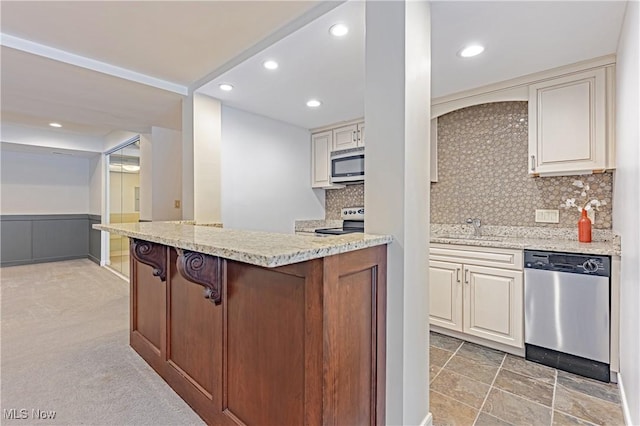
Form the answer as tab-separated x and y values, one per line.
427	421
625	405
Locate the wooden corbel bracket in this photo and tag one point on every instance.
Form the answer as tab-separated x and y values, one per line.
201	269
152	254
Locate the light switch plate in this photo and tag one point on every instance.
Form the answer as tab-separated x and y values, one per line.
547	216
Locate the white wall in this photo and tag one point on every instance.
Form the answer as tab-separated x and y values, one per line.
627	197
115	138
43	183
96	192
54	138
166	151
266	173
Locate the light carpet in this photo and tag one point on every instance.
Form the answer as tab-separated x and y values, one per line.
65	347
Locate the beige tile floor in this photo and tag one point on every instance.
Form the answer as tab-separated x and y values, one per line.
475	385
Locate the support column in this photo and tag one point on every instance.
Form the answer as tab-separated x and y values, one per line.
397	113
187	158
201	179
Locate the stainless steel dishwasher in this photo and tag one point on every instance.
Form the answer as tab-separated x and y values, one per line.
567	312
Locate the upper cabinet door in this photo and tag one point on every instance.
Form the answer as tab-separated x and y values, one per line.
361	134
345	137
567	124
321	159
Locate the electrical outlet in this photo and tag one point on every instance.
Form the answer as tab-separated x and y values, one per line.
547	216
176	204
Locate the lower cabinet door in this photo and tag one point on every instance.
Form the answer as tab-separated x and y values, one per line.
493	304
445	295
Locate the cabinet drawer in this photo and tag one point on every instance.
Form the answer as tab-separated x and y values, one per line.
481	256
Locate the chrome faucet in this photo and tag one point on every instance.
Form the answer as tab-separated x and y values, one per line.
476	226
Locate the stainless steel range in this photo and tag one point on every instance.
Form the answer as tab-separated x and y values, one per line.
353	221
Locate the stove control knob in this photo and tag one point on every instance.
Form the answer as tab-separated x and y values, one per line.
590	265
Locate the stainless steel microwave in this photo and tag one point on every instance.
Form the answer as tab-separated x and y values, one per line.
348	167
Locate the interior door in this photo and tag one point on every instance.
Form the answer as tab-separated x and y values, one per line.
124	206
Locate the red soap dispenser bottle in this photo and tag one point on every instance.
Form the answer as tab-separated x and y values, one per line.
584	228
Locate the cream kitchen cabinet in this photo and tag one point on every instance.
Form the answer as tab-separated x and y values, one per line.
348	137
321	144
571	123
477	291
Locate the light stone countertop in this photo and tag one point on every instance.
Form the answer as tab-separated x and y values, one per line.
253	247
604	242
312	225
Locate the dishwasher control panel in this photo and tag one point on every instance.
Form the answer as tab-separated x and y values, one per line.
567	262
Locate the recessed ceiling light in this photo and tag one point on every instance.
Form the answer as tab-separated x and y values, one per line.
55	124
313	103
226	87
339	30
471	50
270	65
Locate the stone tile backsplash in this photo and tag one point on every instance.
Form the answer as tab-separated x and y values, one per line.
337	199
482	172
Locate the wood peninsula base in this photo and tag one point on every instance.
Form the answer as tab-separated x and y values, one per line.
249	345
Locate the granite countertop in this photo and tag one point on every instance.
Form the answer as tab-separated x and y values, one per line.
253	247
604	242
312	225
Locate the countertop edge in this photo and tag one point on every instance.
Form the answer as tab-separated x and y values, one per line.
287	257
603	248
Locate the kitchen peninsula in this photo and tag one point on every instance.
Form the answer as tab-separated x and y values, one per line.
261	328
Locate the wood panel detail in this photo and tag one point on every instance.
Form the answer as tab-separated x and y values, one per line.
201	269
194	344
152	254
265	339
147	313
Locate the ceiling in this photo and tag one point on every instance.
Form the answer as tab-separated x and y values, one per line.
312	64
161	48
63	60
520	38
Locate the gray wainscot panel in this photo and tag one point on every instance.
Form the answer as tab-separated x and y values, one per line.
15	241
44	238
95	247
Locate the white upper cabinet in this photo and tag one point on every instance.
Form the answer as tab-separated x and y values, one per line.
348	137
345	137
321	159
360	135
321	144
568	124
434	150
